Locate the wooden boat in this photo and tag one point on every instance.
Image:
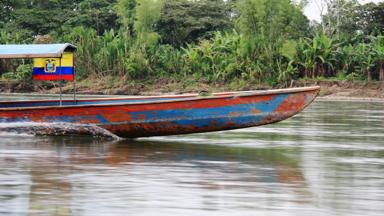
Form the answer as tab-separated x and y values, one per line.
140	116
165	115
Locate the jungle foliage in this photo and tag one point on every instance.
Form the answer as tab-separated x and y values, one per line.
217	41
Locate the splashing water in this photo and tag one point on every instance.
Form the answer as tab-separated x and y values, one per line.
54	129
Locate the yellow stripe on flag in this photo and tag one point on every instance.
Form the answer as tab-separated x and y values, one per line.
66	61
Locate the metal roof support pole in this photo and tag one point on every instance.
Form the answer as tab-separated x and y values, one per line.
61	82
74	85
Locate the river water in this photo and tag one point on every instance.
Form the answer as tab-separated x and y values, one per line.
328	160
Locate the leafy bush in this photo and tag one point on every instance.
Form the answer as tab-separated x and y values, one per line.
23	73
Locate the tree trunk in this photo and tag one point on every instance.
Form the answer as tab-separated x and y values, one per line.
306	73
382	73
322	71
369	76
313	73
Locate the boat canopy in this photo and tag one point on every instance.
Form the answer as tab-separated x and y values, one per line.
35	50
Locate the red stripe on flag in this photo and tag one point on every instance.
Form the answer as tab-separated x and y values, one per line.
53	77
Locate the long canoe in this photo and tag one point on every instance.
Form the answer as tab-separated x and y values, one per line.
133	117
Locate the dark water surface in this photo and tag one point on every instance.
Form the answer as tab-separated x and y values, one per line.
329	160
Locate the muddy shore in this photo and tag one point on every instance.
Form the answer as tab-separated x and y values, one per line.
330	90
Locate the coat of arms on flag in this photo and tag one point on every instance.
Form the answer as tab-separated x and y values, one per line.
54	68
50	66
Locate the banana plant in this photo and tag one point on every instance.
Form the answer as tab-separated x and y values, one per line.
316	55
378	49
305	52
365	57
346	58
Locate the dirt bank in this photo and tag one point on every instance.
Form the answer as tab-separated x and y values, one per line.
347	89
329	89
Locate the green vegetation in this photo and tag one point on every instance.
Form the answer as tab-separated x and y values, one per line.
259	42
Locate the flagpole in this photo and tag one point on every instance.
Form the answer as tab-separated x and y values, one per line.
74	85
61	83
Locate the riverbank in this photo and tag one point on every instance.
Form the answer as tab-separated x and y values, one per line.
332	90
347	89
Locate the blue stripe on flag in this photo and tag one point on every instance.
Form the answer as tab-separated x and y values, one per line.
64	71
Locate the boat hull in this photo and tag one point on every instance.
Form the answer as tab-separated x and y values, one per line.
175	115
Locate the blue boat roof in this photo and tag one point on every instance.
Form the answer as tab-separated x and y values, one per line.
35	50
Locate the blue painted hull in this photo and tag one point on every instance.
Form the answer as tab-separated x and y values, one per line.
168	115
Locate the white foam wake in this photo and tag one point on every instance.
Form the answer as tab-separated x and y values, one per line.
53	129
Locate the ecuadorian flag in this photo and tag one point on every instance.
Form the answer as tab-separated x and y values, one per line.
50	68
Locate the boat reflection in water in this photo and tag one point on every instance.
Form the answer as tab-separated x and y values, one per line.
72	176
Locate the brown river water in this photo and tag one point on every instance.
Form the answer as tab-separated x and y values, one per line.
328	160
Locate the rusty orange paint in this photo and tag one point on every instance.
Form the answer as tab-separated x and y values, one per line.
148	116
